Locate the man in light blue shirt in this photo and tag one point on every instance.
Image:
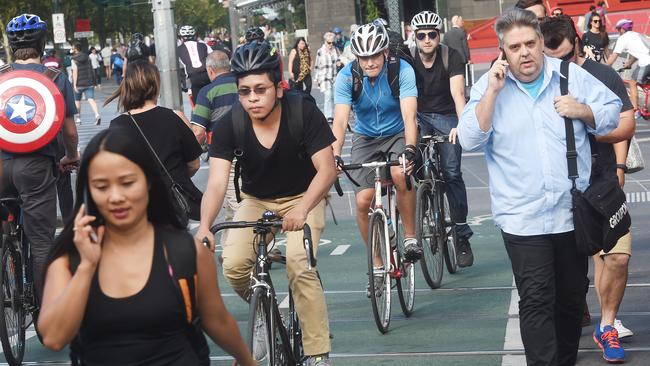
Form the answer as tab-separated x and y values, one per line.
385	127
516	115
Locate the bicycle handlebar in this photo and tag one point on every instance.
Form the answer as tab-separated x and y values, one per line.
436	138
274	223
371	165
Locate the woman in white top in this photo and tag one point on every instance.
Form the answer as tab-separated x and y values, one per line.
95	61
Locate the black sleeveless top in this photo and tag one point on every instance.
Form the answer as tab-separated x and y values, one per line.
146	328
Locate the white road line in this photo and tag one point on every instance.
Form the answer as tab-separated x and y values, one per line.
644	139
284	304
512	340
340	250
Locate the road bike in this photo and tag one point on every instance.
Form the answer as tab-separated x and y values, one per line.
434	228
386	245
17	295
273	338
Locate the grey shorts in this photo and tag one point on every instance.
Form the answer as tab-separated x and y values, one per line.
366	149
640	73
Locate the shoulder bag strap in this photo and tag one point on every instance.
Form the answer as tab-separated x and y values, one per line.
571	153
173	182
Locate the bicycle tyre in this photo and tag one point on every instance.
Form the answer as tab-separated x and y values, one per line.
450	238
380	300
406	283
12	313
431	262
292	325
260	311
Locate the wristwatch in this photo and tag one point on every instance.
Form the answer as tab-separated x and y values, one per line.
622	166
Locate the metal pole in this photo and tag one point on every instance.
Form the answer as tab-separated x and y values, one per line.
394	16
234	22
165	34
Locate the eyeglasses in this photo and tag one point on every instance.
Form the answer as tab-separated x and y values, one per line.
260	90
421	36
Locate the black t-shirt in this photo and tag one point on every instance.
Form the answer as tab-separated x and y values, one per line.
170	137
595	42
434	94
609	77
283	170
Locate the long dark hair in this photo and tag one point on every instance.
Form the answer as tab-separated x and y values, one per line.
160	210
141	83
295	45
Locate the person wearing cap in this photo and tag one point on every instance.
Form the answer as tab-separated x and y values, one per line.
638	48
339	39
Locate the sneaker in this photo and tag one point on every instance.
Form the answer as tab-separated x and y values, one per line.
608	341
464	255
77	119
586	317
330	120
259	346
622	330
412	250
378	283
320	360
98	120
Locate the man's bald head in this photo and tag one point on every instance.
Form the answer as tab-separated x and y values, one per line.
457	21
218	61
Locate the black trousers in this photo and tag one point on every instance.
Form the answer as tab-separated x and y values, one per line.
551	279
304	85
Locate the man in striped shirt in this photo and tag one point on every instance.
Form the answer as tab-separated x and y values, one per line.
215	99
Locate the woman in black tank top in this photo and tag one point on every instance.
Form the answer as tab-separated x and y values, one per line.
111	286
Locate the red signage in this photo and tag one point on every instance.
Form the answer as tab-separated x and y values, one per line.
82	25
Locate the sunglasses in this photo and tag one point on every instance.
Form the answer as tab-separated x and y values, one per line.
422	36
558	14
596	21
260	90
330	42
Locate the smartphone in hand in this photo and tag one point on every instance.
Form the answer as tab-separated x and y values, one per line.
91	210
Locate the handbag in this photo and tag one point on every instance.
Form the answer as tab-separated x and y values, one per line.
179	200
600	213
634	161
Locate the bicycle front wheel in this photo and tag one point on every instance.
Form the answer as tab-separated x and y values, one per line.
378	274
425	229
448	239
12	316
406	282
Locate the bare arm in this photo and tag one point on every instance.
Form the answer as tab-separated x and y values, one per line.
620	150
623	132
182	116
70	138
292	55
199	132
64	302
215	191
409	107
457	88
74	77
217	322
612	58
341	116
323	161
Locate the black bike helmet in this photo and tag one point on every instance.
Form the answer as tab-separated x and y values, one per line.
254	34
255	57
26	31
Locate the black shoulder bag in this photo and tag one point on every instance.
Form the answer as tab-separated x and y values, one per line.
181	205
600	214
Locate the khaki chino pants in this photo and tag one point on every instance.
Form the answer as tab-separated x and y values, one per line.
309	299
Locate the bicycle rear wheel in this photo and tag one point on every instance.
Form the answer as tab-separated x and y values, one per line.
448	241
12	314
380	294
425	228
406	283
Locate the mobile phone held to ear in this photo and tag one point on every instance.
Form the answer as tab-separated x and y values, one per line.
503	54
91	210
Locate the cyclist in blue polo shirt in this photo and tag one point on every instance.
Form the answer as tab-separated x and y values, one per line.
385	125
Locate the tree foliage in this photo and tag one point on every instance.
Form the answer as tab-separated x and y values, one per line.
372	12
204	15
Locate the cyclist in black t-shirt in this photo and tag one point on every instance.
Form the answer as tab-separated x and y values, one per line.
279	174
610	269
441	99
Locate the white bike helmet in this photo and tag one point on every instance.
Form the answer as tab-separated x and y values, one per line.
186	31
426	20
368	40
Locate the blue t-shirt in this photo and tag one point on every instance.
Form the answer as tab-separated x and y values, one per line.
65	88
377	111
534	86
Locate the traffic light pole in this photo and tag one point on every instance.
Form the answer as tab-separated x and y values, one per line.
166	58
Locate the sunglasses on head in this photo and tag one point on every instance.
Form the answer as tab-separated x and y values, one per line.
422	36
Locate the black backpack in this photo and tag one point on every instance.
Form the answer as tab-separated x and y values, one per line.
180	254
137	50
396	51
240	121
